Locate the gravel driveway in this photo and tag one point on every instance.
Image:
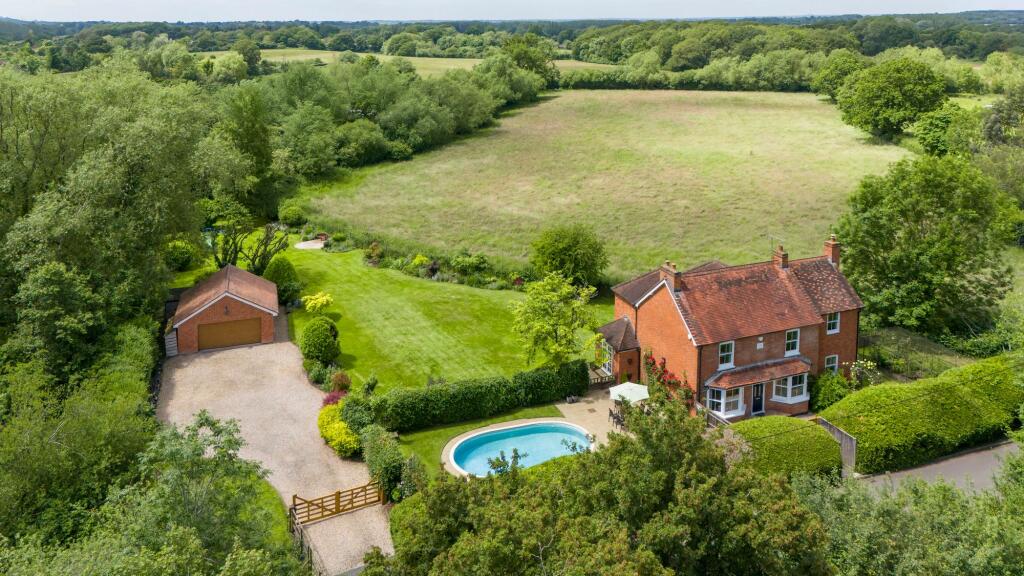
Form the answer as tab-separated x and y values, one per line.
265	389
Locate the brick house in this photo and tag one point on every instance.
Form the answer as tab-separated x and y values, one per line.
230	308
744	338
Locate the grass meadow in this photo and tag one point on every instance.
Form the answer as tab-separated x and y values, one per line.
425	66
677	175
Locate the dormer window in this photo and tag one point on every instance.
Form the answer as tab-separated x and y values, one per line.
793	342
832	323
725	355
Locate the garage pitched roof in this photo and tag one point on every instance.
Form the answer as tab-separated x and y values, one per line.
232	282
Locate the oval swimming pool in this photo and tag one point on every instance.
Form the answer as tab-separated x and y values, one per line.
536	442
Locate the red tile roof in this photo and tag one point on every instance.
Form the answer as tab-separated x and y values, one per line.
232	280
620	335
758	373
721	303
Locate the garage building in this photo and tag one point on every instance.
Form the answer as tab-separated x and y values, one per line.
230	308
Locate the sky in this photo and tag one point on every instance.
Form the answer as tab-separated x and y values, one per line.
232	10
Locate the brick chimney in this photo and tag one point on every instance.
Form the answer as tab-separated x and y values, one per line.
780	257
832	250
669	273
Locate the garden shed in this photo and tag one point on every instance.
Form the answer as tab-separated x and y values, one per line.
230	308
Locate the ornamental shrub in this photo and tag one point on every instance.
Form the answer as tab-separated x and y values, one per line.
414	477
383	457
573	251
827	390
784	445
406	409
340	381
280	271
336	432
902	425
332	398
317	303
180	255
357	414
291	216
319	341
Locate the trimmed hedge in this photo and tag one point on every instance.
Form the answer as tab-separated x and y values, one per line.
789	445
336	432
408	409
902	425
383	457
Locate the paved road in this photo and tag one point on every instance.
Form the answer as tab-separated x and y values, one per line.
265	389
972	469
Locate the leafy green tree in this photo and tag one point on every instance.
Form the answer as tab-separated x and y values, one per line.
924	245
837	68
58	315
551	317
508	83
573	251
272	240
1004	123
308	133
943	530
534	53
886	98
247	121
1005	166
250	53
948	130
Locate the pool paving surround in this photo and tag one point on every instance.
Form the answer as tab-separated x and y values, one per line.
590	412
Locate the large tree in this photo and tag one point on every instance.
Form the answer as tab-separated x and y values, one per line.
924	244
886	98
552	317
838	67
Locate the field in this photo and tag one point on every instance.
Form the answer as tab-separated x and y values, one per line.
406	329
425	66
658	174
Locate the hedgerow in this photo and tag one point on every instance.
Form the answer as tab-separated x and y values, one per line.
383	457
902	425
407	409
784	445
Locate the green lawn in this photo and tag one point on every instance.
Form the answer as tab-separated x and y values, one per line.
425	66
428	444
406	329
660	175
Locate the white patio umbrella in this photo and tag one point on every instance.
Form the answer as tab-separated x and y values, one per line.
630	392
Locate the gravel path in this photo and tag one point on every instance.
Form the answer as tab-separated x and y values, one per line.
265	389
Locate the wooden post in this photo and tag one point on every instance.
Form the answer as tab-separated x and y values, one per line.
337	502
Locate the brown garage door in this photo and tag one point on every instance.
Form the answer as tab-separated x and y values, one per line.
223	334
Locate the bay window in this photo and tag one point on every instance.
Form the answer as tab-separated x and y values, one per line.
726	403
791	389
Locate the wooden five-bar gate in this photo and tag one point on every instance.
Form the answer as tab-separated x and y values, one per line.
305	511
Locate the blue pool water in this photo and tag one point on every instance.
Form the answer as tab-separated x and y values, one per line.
536	443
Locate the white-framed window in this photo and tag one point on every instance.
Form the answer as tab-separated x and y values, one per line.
791	389
608	355
792	342
726	351
832	323
832	363
726	403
